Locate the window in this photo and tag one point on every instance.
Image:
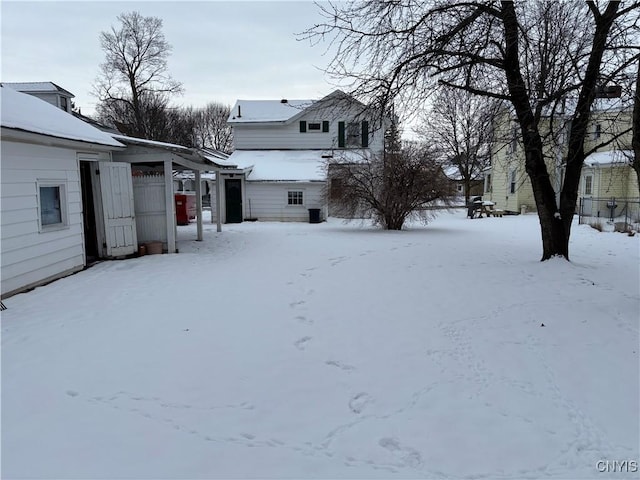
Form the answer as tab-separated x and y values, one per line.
459	188
52	203
294	197
63	104
512	184
597	131
353	134
314	126
513	144
588	184
487	183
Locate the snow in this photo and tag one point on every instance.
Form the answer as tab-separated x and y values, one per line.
609	157
266	110
282	165
333	350
25	112
35	87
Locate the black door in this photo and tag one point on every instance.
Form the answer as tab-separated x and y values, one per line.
233	200
88	212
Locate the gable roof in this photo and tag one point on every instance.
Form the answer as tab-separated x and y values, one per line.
37	87
23	112
281	111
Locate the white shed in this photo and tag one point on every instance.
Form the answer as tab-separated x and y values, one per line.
63	202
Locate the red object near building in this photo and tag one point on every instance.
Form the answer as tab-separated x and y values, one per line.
185	208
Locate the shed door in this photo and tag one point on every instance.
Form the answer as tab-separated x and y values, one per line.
233	200
117	204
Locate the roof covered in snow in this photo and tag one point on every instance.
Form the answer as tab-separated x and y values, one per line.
251	111
609	157
283	110
282	165
36	87
31	114
292	165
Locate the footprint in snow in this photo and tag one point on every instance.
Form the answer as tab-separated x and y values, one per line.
340	365
301	343
359	402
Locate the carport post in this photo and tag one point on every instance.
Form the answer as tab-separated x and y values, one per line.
170	207
199	203
218	202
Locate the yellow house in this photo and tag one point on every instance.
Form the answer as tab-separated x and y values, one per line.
605	172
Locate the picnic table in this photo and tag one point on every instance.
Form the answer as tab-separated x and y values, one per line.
480	207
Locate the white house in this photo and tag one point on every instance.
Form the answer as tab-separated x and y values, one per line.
63	201
47	91
282	149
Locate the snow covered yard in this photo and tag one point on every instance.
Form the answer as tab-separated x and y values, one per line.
332	351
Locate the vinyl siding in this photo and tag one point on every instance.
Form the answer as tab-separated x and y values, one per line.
267	201
28	255
289	136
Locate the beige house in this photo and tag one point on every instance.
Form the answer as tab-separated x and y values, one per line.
606	172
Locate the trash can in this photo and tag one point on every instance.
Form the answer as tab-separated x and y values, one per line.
185	208
314	215
523	209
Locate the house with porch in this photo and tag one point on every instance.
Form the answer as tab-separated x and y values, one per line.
282	149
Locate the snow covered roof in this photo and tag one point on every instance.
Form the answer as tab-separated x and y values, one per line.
24	112
282	165
250	111
196	157
254	111
36	87
609	157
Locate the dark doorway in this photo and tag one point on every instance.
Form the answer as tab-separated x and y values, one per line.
88	212
233	200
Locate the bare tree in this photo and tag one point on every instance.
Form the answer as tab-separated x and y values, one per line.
635	137
533	55
459	125
211	128
388	188
133	84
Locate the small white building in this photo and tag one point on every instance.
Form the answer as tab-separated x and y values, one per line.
63	201
281	152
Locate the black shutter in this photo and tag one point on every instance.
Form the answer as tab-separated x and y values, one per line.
303	126
341	134
325	126
365	134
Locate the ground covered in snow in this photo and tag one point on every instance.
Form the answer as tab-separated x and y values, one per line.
332	351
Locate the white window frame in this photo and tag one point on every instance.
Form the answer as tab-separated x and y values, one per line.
487	183
513	182
64	208
290	198
314	129
588	184
353	134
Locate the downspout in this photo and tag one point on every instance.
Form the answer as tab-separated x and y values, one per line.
218	201
199	203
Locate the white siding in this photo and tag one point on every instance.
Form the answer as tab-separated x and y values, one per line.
28	255
150	208
288	136
269	200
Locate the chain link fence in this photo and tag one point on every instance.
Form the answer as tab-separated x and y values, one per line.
621	213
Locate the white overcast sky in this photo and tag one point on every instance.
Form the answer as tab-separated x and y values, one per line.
222	50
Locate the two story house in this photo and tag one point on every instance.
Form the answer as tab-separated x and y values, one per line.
282	149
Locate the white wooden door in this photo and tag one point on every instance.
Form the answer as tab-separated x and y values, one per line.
117	205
